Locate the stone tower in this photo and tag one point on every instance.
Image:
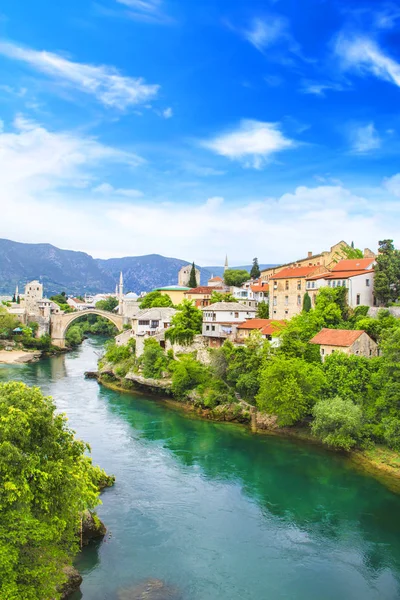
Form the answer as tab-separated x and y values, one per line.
184	276
226	266
33	295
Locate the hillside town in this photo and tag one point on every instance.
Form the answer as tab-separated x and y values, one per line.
263	301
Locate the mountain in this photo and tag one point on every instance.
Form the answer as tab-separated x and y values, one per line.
78	272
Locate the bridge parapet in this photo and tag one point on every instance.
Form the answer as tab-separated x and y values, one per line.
60	323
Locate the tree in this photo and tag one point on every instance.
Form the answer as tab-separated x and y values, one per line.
193	279
352	252
8	323
74	336
155	300
255	269
185	324
18	299
338	422
13	299
236	277
263	310
108	304
387	273
306	302
187	373
222	297
47	480
288	389
153	359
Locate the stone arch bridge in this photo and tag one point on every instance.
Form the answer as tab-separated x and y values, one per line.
60	323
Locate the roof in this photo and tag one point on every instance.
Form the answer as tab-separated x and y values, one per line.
254	324
202	289
336	337
295	272
77	300
172	288
131	295
259	288
231	306
357	264
339	274
216	278
158	313
274	326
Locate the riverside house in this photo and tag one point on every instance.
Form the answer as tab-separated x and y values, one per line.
268	328
358	343
220	321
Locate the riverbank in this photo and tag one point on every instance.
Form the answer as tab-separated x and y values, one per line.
380	462
13	357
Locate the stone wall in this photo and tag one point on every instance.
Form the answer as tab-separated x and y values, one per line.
393	310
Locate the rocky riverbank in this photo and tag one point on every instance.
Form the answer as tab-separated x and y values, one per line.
13	357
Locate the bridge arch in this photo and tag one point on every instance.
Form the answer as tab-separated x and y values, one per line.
60	323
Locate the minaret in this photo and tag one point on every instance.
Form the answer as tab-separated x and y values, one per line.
121	286
16	291
226	263
116	290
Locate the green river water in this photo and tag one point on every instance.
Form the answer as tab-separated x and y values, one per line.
216	512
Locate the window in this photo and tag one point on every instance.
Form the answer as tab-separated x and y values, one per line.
322	351
299	284
286	300
274	312
144	323
207	328
286	312
299	300
212	327
275	301
236	315
154	324
286	285
313	284
358	299
367	282
275	285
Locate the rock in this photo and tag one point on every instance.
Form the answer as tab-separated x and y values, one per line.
91	375
74	580
265	421
92	527
151	589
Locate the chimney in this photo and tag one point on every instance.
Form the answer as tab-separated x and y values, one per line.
309	255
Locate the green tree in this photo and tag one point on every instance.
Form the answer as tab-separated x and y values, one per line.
155	300
74	336
288	389
18	299
338	422
387	273
187	373
352	252
263	310
153	359
255	269
192	279
13	299
236	277
185	324
47	480
8	323
108	304
306	302
222	297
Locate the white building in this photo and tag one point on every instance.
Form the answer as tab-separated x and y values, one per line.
152	321
356	275
129	305
78	304
244	295
220	320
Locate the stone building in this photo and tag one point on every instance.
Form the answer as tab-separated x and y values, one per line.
343	340
287	289
184	276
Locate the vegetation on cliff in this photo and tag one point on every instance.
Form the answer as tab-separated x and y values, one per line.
48	481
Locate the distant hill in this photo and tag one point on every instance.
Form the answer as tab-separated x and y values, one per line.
78	272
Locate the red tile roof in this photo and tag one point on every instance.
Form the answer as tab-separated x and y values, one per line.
254	324
260	288
346	274
266	326
336	337
357	264
273	327
290	272
215	278
202	289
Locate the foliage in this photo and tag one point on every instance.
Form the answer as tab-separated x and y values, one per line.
349	376
306	302
192	279
255	269
155	299
379	327
74	336
59	298
387	273
288	389
42	343
338	422
108	304
187	373
236	277
352	253
185	324
222	297
263	310
8	323
47	480
391	432
115	354
153	359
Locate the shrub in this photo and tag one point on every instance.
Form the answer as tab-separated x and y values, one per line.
153	359
188	374
338	423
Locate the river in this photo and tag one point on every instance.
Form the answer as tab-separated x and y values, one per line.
216	512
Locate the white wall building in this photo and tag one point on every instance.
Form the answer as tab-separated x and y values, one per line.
152	321
220	320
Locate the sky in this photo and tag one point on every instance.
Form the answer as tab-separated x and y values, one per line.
193	129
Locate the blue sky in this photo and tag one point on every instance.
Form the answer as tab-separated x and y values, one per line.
194	129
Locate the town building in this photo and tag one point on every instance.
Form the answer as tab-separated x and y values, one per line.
356	275
77	304
215	282
184	276
201	296
287	289
220	321
269	329
325	259
129	305
244	295
260	291
152	321
175	292
358	343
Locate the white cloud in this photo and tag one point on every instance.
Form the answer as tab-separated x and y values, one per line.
392	184
167	113
365	56
108	190
252	143
104	82
146	10
319	88
365	139
265	33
